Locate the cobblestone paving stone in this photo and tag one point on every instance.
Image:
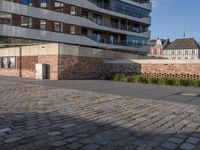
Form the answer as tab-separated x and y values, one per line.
34	117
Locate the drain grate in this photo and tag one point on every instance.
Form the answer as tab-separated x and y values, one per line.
189	94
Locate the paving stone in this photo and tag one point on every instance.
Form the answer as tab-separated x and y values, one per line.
176	140
169	145
192	140
59	143
74	145
47	117
187	146
11	140
91	147
86	141
4	130
54	133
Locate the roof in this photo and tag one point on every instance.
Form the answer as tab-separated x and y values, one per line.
187	43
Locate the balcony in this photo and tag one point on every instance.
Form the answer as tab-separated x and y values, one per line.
119	10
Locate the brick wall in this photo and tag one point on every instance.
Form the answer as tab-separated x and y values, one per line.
185	70
27	66
58	67
74	67
171	70
52	65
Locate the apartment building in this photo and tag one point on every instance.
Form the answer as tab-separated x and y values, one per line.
70	38
108	24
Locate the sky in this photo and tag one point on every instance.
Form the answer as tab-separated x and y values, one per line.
171	18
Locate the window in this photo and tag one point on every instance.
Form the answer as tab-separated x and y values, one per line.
72	29
43	24
5	18
26	21
84	31
85	14
73	10
97	36
43	3
97	19
5	62
59	6
12	62
57	26
8	62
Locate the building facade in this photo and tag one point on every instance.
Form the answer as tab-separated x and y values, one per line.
157	47
186	48
108	24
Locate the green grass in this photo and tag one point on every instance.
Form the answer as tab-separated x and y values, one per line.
154	80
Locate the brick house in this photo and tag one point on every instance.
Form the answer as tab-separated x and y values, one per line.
157	47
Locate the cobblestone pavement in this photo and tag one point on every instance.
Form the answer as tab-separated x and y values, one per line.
42	117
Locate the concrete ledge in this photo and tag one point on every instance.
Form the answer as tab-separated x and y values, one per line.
152	61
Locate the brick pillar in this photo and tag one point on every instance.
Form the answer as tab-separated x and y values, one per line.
36	3
67	8
16	20
50	25
79	11
67	26
78	30
36	23
50	4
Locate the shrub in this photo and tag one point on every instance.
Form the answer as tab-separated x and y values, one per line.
140	79
153	80
130	78
162	81
117	77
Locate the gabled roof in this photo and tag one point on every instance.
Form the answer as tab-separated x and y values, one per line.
187	43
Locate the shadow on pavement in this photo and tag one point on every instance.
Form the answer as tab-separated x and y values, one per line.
43	131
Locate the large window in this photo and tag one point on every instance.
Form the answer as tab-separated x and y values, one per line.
97	19
96	36
72	29
5	18
58	6
43	3
58	27
73	10
43	24
7	62
26	21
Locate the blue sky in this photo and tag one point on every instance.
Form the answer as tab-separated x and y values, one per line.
170	18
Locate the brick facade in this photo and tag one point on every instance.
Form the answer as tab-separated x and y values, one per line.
74	67
58	67
171	70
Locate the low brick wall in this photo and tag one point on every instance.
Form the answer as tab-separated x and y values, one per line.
171	70
159	68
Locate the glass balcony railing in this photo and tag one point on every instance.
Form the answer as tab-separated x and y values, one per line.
115	42
121	10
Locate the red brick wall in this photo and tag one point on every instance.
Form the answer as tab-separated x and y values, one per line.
28	67
158	70
73	67
52	65
58	67
172	70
